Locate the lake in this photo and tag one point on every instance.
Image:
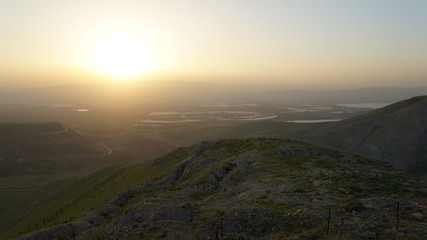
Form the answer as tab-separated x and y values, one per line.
364	105
315	121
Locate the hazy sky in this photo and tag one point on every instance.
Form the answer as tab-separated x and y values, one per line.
358	43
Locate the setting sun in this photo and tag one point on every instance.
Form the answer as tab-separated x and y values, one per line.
120	56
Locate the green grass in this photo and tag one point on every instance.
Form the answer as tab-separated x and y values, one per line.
26	181
14	205
74	198
277	181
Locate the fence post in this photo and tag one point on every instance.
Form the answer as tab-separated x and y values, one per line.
222	229
397	216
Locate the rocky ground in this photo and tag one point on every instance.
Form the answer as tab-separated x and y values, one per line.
261	189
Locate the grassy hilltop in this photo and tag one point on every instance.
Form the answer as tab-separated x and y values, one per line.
260	188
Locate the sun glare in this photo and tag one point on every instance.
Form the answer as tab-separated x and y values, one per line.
120	57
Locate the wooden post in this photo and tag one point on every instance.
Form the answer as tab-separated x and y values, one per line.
222	229
329	220
397	216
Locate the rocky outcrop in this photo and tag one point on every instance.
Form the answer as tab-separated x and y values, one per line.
354	206
264	188
251	221
123	198
259	189
156	214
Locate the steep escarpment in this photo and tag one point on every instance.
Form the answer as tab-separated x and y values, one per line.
396	133
262	189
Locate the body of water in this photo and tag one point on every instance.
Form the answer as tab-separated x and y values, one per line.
315	121
171	121
259	118
364	105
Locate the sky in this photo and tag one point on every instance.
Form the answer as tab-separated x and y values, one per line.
303	43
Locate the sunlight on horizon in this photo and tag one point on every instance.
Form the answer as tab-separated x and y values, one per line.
291	43
120	56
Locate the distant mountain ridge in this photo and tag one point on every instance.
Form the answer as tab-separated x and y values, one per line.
188	91
396	133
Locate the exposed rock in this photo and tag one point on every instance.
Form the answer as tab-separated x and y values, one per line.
303	218
357	231
106	212
249	157
220	173
238	237
418	215
391	203
354	206
253	221
179	169
122	198
159	214
98	217
272	196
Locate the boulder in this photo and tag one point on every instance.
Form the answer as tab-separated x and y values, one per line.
354	206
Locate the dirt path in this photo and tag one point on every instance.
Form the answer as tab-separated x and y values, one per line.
64	129
109	150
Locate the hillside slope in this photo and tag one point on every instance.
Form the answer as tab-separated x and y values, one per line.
33	148
253	188
50	139
396	133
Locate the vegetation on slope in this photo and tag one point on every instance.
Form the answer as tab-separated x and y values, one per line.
71	199
396	133
258	188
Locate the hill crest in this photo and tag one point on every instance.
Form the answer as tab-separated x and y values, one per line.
396	133
261	189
